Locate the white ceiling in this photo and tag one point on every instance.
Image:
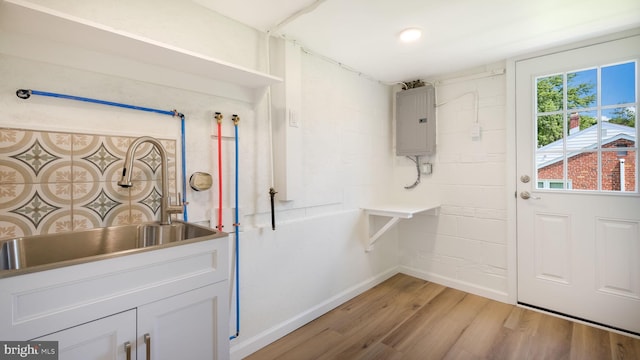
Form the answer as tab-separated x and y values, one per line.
457	34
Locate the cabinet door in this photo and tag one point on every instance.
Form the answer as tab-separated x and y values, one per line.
105	338
190	326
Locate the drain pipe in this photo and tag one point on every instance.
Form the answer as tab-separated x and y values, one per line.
218	117
236	225
26	93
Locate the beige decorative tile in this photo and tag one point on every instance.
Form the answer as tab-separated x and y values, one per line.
12	174
84	219
141	214
55	182
43	157
120	216
13	227
14	140
60	221
94	156
13	194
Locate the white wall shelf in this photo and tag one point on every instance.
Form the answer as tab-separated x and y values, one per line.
396	213
38	33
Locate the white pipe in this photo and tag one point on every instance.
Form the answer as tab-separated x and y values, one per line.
622	179
296	15
269	107
480	75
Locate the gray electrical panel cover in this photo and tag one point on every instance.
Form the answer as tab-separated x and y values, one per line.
416	121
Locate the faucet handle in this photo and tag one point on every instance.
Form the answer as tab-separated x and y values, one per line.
176	209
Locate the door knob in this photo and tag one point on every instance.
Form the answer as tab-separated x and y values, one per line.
525	178
526	195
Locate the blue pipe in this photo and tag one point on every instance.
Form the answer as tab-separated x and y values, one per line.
185	217
25	94
236	225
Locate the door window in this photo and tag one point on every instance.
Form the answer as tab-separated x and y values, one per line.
586	129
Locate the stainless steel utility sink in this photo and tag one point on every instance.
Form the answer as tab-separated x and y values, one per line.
42	252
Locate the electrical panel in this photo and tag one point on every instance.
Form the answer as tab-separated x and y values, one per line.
416	121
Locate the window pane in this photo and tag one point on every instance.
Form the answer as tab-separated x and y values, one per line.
622	116
581	89
582	130
583	170
556	185
618	170
630	171
589	143
550	130
549	93
550	168
619	84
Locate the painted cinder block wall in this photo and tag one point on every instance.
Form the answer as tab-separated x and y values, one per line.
466	245
316	256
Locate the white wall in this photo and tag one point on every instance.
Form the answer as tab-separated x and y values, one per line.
466	245
315	259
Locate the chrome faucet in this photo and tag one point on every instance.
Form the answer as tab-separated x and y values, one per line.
166	209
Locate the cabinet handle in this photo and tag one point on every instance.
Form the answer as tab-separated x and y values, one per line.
127	350
147	340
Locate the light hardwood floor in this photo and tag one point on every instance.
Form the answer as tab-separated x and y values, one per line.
409	318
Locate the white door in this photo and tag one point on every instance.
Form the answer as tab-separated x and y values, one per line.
112	337
578	207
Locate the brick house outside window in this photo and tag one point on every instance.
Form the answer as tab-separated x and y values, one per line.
582	157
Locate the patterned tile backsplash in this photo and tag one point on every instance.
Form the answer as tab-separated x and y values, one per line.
53	182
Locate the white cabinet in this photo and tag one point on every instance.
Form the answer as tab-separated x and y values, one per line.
106	338
178	296
184	326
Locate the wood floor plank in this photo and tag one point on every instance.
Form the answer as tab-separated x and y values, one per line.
361	303
379	351
412	329
406	318
552	339
478	339
402	298
624	347
514	341
373	326
313	348
438	339
344	314
588	342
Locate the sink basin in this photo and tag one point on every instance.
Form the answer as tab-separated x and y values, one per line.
42	252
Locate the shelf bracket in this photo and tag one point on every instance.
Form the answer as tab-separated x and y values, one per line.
395	213
383	229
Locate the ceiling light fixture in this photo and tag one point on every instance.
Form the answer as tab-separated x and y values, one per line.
410	35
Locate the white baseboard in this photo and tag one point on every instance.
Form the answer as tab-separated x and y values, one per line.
458	284
243	348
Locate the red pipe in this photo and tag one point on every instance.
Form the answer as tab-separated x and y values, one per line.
219	119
